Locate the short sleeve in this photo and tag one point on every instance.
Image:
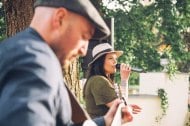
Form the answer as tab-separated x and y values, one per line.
102	91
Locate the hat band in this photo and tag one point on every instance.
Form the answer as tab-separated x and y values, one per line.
107	50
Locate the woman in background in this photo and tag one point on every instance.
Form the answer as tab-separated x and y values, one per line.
99	91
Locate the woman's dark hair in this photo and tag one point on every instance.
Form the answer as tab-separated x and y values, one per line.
97	68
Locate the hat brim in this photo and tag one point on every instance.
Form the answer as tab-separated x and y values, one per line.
84	8
118	53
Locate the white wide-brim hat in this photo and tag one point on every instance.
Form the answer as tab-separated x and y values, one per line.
101	49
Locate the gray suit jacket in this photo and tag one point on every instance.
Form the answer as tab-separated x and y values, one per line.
32	92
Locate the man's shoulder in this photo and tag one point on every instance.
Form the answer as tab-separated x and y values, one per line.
26	42
21	40
28	49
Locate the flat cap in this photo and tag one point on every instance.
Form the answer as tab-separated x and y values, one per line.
84	8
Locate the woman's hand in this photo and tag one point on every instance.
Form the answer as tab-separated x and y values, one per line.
127	115
111	113
135	108
128	111
125	71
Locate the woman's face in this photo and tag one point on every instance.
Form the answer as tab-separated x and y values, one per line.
109	63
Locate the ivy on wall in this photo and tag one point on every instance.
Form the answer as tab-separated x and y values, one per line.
162	94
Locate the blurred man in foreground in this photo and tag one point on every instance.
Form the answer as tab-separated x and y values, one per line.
32	91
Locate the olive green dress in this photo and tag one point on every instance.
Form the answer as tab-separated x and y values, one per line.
98	92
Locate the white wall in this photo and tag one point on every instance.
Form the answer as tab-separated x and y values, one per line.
177	90
150	105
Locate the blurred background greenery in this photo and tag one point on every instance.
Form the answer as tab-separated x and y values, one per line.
2	22
143	28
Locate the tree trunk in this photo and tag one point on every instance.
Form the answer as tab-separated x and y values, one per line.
18	16
71	75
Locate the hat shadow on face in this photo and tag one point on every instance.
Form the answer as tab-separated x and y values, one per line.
101	49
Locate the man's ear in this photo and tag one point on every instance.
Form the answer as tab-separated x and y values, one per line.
59	16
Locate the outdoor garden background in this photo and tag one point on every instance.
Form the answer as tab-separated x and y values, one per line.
148	31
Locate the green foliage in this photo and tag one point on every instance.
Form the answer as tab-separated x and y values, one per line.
2	23
164	103
141	29
164	100
172	68
134	78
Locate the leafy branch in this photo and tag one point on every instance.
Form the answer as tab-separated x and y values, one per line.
164	103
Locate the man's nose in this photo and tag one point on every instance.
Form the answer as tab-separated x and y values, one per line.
83	50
